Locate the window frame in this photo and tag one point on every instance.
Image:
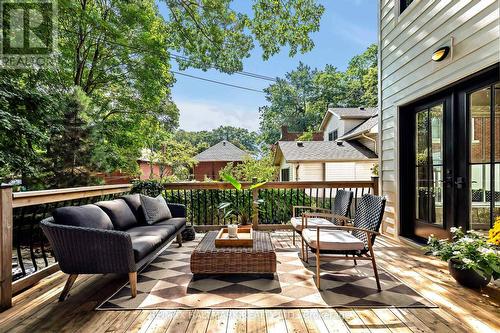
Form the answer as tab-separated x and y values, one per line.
288	174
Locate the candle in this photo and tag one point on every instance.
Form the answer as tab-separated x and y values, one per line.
232	230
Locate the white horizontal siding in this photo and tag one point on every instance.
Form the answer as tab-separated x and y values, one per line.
310	172
407	72
348	171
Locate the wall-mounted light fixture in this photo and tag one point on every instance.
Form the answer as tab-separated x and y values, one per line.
441	53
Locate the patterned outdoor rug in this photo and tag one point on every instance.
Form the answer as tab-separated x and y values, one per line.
167	284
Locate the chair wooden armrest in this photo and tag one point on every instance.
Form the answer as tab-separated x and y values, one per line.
344	219
294	210
348	228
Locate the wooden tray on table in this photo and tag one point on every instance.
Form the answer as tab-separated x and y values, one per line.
244	239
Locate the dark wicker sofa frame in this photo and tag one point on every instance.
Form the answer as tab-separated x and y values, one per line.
81	250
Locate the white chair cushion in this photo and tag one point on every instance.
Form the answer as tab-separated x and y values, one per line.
311	222
338	240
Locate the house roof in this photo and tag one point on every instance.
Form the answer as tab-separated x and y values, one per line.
362	128
223	151
325	151
348	113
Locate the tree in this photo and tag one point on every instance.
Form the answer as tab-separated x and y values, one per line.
301	99
241	137
289	104
262	169
118	53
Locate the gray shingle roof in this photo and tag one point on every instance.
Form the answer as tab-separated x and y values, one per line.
325	151
354	113
223	151
361	128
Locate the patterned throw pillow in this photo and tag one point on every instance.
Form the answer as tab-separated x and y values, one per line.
155	209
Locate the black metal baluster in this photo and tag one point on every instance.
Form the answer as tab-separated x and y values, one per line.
20	223
31	222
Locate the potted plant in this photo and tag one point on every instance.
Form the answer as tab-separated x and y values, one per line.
473	260
243	210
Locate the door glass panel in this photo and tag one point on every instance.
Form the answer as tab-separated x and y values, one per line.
496	212
497	124
480	126
421	138
480	196
422	193
429	168
437	195
436	115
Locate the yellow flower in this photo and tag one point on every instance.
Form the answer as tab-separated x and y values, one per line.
494	234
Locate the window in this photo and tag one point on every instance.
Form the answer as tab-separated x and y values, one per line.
333	135
403	4
285	175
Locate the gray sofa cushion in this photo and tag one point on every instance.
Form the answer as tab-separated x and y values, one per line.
119	212
88	216
146	239
155	209
134	203
177	222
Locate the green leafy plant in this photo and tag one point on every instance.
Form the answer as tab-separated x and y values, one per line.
243	206
467	250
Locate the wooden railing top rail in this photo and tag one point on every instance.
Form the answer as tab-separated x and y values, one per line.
271	185
29	198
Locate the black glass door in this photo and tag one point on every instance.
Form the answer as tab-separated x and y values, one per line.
431	195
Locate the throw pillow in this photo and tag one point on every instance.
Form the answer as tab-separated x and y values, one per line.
155	209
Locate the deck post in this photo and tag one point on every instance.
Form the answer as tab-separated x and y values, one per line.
375	185
255	208
5	246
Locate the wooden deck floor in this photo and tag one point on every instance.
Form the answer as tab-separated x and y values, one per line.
460	309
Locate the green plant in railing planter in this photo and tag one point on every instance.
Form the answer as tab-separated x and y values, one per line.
243	209
472	260
150	187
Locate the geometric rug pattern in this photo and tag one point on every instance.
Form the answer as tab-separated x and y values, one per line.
167	283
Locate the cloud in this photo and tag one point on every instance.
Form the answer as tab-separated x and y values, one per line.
200	115
353	31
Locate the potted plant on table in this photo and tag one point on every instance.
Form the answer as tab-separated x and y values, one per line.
243	209
473	259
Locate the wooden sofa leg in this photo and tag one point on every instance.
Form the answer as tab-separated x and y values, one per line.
133	283
293	239
179	239
67	287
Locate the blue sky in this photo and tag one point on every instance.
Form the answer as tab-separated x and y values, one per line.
348	27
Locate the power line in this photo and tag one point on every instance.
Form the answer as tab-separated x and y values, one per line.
187	59
250	74
218	82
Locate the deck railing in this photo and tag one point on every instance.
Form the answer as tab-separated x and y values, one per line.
22	242
25	256
278	198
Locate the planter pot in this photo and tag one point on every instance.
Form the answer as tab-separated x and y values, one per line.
467	277
188	234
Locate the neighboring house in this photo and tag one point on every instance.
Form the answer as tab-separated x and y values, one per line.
440	118
213	159
347	150
152	170
323	160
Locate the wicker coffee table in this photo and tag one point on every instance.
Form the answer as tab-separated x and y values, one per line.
259	259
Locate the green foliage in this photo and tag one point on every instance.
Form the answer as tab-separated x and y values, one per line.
240	137
111	83
171	155
243	207
306	136
261	169
469	250
302	97
149	187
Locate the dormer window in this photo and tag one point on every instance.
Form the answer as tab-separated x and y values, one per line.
403	4
333	135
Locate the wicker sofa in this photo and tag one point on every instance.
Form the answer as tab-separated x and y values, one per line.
109	237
